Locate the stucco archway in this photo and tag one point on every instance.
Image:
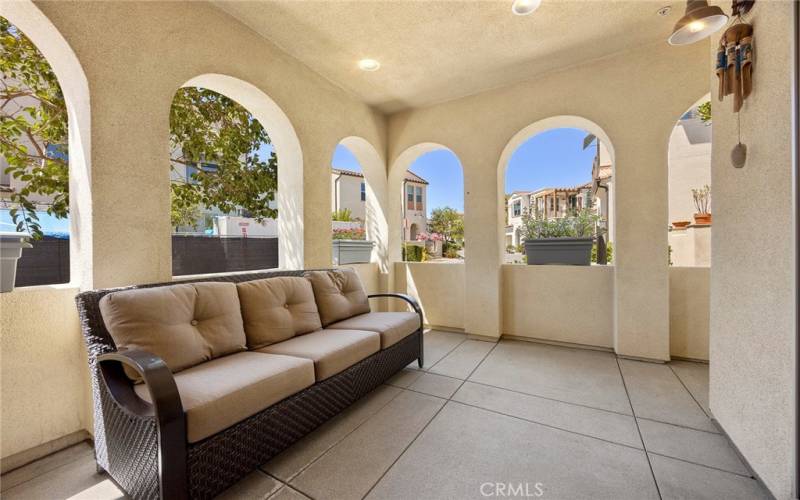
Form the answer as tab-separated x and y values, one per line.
290	159
553	122
397	173
374	170
72	79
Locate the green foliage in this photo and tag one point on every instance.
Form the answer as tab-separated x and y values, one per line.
609	253
342	215
704	112
581	224
414	253
220	136
450	251
447	222
183	213
33	129
349	234
207	130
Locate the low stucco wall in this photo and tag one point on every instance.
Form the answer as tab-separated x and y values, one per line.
689	299
369	274
439	288
45	376
571	304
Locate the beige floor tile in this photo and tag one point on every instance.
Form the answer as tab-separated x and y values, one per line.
256	485
287	493
436	385
293	460
76	479
700	447
597	423
466	449
657	394
77	452
353	466
682	480
404	378
695	377
572	375
437	345
464	359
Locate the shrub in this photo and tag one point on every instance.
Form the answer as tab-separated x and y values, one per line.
579	225
413	253
349	234
609	253
450	252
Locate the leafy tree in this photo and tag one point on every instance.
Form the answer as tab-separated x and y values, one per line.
447	222
183	213
704	112
215	143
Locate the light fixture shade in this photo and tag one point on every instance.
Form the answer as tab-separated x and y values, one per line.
525	7
699	21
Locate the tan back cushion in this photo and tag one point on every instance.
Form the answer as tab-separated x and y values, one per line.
276	309
182	324
339	294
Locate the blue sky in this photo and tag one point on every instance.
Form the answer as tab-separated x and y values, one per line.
551	159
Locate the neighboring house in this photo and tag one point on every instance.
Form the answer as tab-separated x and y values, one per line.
415	200
349	192
557	202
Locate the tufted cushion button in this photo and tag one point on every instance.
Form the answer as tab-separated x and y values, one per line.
194	322
286	306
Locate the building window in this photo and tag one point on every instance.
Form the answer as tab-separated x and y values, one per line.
410	197
364	192
517	210
419	199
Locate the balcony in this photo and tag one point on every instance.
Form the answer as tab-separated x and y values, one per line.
668	373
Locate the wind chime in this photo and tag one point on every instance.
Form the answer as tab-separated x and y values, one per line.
735	70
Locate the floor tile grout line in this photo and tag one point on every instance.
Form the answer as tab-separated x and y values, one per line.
429	421
690	392
636	421
446	354
328	449
713	433
747	476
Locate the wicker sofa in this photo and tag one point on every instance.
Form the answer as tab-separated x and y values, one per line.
197	383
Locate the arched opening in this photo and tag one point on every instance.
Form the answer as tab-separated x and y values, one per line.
53	181
430	183
358	203
557	180
279	154
689	164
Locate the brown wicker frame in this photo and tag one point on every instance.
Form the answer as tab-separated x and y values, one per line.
143	446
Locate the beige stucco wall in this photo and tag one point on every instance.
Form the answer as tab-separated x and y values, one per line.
689	312
570	304
439	289
615	93
752	289
347	195
44	376
689	168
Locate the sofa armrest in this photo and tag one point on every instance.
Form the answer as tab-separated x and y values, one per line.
166	402
402	296
166	409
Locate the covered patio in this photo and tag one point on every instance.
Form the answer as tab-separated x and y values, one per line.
635	379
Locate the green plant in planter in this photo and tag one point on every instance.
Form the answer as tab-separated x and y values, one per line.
580	224
342	215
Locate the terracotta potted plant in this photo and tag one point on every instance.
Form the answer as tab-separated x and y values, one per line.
565	240
702	201
681	224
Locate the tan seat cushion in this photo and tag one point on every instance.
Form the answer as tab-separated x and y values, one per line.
331	350
392	326
339	294
218	394
276	309
182	324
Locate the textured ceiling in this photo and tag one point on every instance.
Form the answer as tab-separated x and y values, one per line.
432	51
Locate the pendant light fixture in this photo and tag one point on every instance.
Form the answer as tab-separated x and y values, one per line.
699	22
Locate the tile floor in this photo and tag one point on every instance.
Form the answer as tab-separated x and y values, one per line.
483	420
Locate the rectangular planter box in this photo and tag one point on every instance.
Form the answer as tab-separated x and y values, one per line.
351	251
564	251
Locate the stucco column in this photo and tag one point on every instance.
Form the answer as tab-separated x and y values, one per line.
316	200
641	279
481	226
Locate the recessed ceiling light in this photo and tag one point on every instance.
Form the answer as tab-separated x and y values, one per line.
369	65
525	7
